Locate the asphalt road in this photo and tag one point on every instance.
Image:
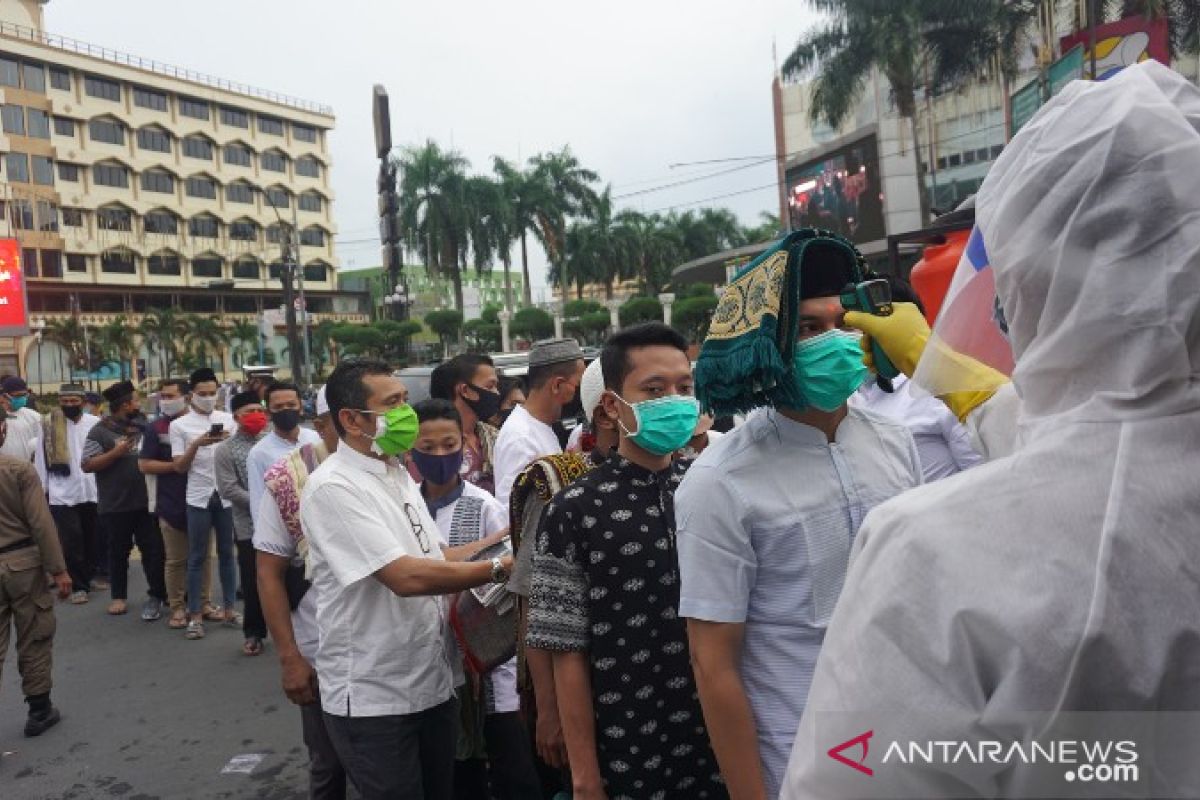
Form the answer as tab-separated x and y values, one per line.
148	714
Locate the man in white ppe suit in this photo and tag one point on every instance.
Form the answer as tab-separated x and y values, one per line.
1061	578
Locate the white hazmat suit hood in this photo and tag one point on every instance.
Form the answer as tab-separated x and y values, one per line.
1064	578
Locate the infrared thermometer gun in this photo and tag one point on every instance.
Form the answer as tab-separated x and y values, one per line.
873	297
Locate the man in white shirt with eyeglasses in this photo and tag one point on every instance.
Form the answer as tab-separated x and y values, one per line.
385	679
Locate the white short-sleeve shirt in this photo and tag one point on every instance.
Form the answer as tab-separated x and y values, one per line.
271	536
378	654
523	439
202	481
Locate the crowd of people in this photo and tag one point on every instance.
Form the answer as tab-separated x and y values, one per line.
467	600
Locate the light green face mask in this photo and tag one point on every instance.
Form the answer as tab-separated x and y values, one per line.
664	424
829	368
396	430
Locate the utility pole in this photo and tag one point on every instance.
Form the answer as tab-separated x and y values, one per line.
290	256
389	203
303	304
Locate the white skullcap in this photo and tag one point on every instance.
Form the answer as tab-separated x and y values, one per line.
322	403
591	389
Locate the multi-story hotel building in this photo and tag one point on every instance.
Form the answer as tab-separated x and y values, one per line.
133	185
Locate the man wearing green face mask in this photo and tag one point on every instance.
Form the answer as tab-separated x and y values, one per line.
767	514
605	592
384	647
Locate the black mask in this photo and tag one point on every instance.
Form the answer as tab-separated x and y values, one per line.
286	419
488	404
72	412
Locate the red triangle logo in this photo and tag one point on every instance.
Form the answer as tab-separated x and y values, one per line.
863	739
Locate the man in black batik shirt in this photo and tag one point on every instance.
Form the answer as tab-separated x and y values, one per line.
605	591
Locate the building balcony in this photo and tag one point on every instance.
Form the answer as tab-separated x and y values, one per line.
98	319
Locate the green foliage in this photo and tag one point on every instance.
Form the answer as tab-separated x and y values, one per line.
482	336
360	340
691	315
532	323
445	322
491	314
581	308
640	309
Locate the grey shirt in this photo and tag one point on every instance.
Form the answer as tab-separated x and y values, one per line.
229	467
120	487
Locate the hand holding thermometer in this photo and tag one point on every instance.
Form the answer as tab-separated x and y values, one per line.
873	297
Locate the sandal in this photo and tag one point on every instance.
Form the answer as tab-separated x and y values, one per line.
118	607
252	647
195	629
231	619
178	620
213	613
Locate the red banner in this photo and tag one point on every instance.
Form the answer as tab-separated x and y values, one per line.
14	310
1122	44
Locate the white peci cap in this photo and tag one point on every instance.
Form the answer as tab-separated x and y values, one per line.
322	403
591	389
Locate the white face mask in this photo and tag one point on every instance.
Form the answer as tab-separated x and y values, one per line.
204	405
172	407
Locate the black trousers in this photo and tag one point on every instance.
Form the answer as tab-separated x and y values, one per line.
80	543
326	778
253	623
408	756
125	529
509	767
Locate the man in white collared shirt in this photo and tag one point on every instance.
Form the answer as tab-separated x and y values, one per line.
71	491
385	679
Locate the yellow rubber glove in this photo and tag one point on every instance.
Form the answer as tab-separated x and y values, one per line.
903	336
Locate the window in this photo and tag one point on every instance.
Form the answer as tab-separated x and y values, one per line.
76	262
941	162
39	124
270	125
308	167
60	79
997	149
102	88
34	76
198	147
157	180
163	264
22	214
238	155
274	161
10	72
13	119
17	165
196	109
51	263
68	172
981	154
163	222
114	218
235	117
955	160
64	126
155	139
276	271
29	262
304	133
43	170
206	267
148	98
239	193
246	269
120	261
72	217
316	272
969	157
312	237
106	130
204	226
310	201
202	186
274	234
47	216
111	175
243	230
278	198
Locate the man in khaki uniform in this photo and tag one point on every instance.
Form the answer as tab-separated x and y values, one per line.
29	548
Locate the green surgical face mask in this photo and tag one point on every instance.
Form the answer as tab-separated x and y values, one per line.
395	430
664	424
829	368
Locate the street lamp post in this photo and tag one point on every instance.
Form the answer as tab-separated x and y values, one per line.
39	324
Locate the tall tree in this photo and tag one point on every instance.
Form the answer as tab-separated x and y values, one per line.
524	196
566	191
906	41
433	209
118	341
493	226
163	329
204	336
246	334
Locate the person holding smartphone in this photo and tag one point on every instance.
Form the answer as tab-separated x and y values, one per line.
192	437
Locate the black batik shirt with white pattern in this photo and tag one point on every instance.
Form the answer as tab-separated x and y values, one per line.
606	582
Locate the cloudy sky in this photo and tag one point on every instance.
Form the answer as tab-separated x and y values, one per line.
632	87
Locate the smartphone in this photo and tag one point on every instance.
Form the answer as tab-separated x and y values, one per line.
217	429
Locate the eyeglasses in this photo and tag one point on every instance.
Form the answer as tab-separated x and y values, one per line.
414	521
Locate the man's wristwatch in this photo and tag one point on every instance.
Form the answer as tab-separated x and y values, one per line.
499	573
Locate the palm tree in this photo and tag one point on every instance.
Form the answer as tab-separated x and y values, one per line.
246	334
524	196
433	209
493	226
600	249
205	334
67	333
321	340
906	41
566	191
118	340
653	246
768	228
162	330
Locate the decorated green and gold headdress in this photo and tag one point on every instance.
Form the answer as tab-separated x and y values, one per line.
746	360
